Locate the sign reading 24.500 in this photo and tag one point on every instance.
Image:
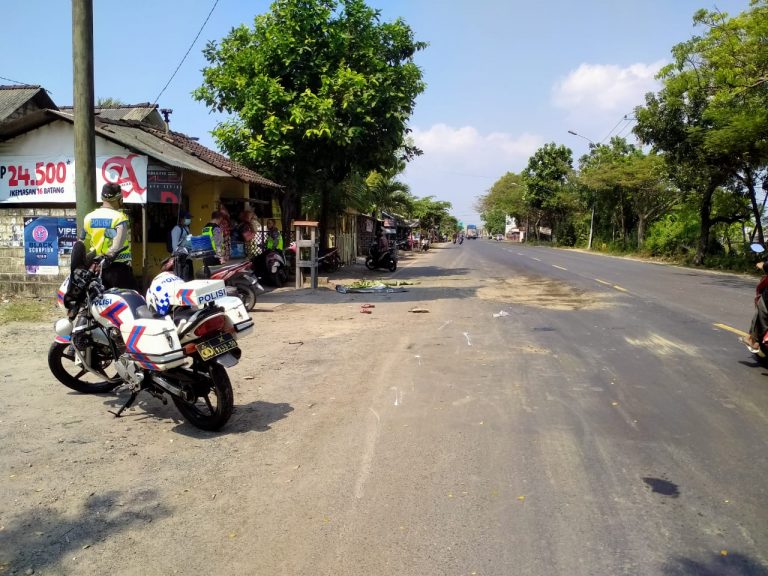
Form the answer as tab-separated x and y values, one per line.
30	179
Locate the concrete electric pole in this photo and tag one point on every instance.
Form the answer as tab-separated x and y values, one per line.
85	139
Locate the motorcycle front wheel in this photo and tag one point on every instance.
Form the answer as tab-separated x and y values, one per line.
213	403
61	361
369	263
246	293
392	266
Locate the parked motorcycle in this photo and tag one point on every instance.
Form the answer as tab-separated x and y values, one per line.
178	342
272	265
330	261
239	279
386	260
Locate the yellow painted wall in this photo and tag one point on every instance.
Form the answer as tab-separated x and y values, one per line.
203	194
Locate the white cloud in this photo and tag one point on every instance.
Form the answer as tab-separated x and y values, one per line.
460	164
596	96
466	147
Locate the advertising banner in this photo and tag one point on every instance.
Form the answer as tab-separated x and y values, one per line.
32	179
163	185
130	172
41	245
25	179
67	233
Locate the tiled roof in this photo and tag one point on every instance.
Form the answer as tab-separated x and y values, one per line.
207	155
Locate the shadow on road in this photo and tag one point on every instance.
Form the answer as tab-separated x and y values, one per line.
724	564
44	536
246	417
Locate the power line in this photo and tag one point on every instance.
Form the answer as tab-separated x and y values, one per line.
16	81
187	54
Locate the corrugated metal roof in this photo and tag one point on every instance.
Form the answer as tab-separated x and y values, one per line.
14	97
172	148
138	112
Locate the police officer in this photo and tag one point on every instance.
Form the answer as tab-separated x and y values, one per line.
213	231
274	240
105	233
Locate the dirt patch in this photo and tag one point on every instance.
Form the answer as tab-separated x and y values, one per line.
541	293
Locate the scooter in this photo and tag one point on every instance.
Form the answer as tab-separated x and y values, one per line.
386	260
239	279
761	291
271	265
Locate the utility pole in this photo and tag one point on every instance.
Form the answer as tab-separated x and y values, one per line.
592	146
85	139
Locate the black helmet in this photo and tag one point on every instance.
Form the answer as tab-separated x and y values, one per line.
110	191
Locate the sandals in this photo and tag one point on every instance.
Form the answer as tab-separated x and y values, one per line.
751	346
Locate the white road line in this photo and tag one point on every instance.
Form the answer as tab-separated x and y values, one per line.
537	259
559	267
466	335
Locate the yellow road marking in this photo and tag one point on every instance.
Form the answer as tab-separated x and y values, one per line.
619	288
559	267
602	281
730	329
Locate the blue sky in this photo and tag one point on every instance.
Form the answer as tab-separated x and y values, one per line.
504	76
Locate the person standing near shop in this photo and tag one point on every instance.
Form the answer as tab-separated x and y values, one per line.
213	231
106	234
180	239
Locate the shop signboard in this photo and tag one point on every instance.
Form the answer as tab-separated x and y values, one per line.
51	179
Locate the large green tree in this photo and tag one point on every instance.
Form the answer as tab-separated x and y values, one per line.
505	198
317	90
548	192
634	184
710	117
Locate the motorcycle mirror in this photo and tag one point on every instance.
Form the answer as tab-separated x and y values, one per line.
757	248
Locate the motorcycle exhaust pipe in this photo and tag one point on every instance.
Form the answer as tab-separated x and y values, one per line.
171	388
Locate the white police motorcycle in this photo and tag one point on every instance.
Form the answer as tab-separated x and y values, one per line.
179	341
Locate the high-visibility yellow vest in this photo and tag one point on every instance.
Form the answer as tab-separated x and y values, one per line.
96	223
208	231
271	242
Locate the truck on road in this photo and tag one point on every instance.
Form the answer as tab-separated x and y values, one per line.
471	232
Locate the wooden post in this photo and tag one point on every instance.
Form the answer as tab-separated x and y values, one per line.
303	244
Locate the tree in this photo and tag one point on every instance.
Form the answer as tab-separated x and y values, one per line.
709	119
318	90
546	179
432	214
623	175
505	198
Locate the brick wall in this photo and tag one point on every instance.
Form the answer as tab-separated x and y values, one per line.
13	276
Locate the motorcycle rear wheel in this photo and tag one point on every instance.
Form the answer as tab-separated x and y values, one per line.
61	361
203	413
246	293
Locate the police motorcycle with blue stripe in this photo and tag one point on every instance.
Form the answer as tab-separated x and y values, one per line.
177	342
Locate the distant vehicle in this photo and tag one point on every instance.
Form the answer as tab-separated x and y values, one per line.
471	232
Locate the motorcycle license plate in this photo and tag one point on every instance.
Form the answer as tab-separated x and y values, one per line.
216	346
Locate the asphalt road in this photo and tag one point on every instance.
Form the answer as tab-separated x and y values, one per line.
622	434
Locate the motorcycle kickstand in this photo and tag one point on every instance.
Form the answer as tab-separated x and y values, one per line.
125	406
